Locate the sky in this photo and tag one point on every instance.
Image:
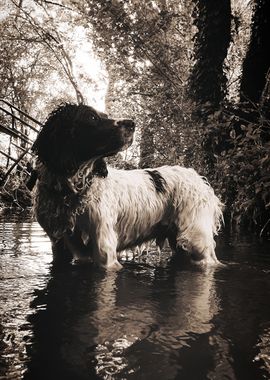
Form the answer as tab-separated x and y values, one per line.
87	65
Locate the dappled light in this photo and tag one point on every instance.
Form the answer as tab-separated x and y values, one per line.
134	189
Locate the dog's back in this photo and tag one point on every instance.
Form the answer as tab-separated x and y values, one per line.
136	205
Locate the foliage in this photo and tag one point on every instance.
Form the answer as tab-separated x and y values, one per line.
157	56
234	140
14	192
38	47
241	170
146	48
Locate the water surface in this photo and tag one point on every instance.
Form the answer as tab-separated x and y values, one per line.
155	319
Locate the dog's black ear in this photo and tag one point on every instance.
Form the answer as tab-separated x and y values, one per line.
49	148
43	144
100	168
54	144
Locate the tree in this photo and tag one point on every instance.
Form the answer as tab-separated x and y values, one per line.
145	46
257	61
37	57
208	79
36	53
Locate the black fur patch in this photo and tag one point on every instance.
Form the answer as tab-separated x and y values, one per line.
100	168
158	181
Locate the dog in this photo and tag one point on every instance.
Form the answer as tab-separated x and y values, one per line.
92	211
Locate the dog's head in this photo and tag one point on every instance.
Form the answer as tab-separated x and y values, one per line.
75	134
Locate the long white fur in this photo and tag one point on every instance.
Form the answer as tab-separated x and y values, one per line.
124	206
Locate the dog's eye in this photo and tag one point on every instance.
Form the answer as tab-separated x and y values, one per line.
93	117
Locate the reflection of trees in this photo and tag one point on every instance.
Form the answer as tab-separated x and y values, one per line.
264	349
22	268
243	309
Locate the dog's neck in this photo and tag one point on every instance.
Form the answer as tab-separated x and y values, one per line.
71	191
76	183
65	196
68	187
81	181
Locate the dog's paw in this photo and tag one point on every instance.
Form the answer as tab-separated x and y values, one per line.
115	266
208	263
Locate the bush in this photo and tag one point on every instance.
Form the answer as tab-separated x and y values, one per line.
13	191
240	169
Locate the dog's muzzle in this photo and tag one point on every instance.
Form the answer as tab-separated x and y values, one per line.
127	128
129	125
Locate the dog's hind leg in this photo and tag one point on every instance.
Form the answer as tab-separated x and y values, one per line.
198	240
168	232
203	249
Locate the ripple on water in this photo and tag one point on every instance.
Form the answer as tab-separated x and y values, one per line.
153	319
24	266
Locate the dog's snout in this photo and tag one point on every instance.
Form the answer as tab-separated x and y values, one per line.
128	124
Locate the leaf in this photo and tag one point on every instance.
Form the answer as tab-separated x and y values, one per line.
258	189
232	134
264	159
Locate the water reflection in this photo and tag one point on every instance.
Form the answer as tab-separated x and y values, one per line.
264	351
121	324
154	319
24	261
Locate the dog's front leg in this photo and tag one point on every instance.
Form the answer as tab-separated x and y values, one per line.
105	254
61	253
80	251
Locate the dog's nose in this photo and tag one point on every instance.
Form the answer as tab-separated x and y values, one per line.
128	124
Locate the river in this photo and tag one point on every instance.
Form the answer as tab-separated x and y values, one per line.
154	319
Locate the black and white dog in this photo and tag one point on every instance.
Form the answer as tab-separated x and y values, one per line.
89	210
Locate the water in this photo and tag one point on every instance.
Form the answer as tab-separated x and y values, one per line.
155	319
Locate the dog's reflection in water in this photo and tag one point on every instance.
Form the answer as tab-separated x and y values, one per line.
137	321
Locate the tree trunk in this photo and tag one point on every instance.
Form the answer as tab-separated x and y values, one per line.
257	61
208	80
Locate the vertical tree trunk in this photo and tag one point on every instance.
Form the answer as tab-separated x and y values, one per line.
208	80
257	61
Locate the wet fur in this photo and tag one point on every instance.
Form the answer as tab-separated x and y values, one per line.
91	211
